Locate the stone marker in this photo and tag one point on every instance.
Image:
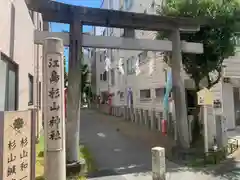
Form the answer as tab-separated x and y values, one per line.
158	163
53	99
17	145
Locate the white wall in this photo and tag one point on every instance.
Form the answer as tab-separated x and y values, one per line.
228	105
22	42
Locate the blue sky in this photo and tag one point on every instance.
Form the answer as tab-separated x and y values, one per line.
57	27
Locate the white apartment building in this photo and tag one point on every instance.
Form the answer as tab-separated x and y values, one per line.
20	58
148	86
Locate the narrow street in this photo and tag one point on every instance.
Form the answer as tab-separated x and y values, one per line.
120	157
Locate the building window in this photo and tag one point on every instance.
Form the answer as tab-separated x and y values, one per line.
129	33
145	94
159	92
131	65
112	56
31	13
165	74
30	86
121	96
104	32
121	4
153	4
9	84
40	26
142	56
111	4
104	76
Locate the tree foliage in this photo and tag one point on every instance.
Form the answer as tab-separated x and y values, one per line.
85	87
217	36
85	81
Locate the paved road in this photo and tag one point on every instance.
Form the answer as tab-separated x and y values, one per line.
119	157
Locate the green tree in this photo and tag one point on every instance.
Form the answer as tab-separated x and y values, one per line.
85	86
218	38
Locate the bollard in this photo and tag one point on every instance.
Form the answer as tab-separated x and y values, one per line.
141	117
158	164
132	114
114	110
145	117
122	112
135	115
159	118
128	114
125	112
153	119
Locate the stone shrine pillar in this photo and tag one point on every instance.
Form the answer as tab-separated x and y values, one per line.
53	109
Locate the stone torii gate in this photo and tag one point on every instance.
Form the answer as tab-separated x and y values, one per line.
77	16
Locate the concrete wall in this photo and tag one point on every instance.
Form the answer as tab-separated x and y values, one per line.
17	42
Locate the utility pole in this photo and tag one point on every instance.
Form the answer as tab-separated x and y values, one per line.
54	115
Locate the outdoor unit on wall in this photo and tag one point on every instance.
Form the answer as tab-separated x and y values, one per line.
226	80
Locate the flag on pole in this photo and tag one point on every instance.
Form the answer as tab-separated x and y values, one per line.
151	66
168	91
120	66
129	91
107	64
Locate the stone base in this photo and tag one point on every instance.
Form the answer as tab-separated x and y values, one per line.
76	168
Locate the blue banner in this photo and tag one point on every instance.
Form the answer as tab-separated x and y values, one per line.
167	92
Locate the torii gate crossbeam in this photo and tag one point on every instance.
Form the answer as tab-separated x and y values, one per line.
77	16
111	42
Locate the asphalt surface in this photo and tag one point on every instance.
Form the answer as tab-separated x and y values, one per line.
119	157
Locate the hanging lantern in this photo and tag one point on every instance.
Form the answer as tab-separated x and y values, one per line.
164	127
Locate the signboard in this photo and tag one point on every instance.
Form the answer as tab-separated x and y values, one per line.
17	144
54	100
205	97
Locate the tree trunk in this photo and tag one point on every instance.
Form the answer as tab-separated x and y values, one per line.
74	93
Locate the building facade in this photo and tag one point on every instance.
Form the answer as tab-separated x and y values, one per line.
147	88
20	58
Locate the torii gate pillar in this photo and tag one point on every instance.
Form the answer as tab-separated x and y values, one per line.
73	94
179	91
